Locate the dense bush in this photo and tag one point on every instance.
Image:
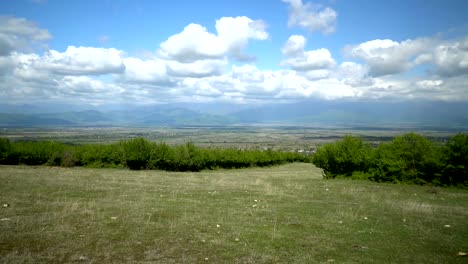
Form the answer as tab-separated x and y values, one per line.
455	161
137	154
408	158
343	157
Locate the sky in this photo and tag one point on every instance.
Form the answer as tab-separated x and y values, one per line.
246	52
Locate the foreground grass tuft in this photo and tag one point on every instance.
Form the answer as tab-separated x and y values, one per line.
285	214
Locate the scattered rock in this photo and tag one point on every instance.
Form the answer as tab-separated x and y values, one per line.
218	226
365	217
6	205
237	240
462	254
83	258
446	225
5	219
114	217
359	246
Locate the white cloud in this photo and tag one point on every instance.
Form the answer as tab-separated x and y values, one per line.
84	61
353	73
199	68
387	57
236	32
146	71
390	57
301	60
196	43
194	66
19	34
313	17
193	43
451	58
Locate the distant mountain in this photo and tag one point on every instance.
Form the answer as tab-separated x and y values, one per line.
328	113
147	116
21	120
412	114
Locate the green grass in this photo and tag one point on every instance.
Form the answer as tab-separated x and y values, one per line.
285	214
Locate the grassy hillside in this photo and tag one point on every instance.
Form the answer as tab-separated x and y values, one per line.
285	214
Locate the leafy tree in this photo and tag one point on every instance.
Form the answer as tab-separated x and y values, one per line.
455	170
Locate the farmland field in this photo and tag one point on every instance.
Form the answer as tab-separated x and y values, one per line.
283	214
279	137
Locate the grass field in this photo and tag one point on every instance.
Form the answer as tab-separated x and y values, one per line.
285	214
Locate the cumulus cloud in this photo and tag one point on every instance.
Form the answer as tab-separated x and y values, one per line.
301	60
199	68
385	56
388	57
310	16
19	34
145	71
452	58
196	43
194	66
84	61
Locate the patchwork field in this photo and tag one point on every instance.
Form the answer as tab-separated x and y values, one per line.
285	214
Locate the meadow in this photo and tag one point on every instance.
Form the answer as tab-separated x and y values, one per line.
280	214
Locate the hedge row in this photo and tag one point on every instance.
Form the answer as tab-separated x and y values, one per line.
139	154
408	158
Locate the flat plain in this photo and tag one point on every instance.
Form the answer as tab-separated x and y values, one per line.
278	137
283	214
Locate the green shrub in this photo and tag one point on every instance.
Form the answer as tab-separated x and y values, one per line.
455	161
136	153
343	157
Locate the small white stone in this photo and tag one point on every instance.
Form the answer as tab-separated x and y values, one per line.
365	217
237	240
446	225
218	226
113	217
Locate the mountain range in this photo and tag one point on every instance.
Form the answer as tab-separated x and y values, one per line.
429	114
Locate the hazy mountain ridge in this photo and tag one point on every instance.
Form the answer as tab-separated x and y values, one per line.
417	114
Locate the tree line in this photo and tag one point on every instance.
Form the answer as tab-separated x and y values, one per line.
410	158
137	154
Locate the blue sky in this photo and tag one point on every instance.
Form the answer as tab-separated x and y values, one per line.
269	51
